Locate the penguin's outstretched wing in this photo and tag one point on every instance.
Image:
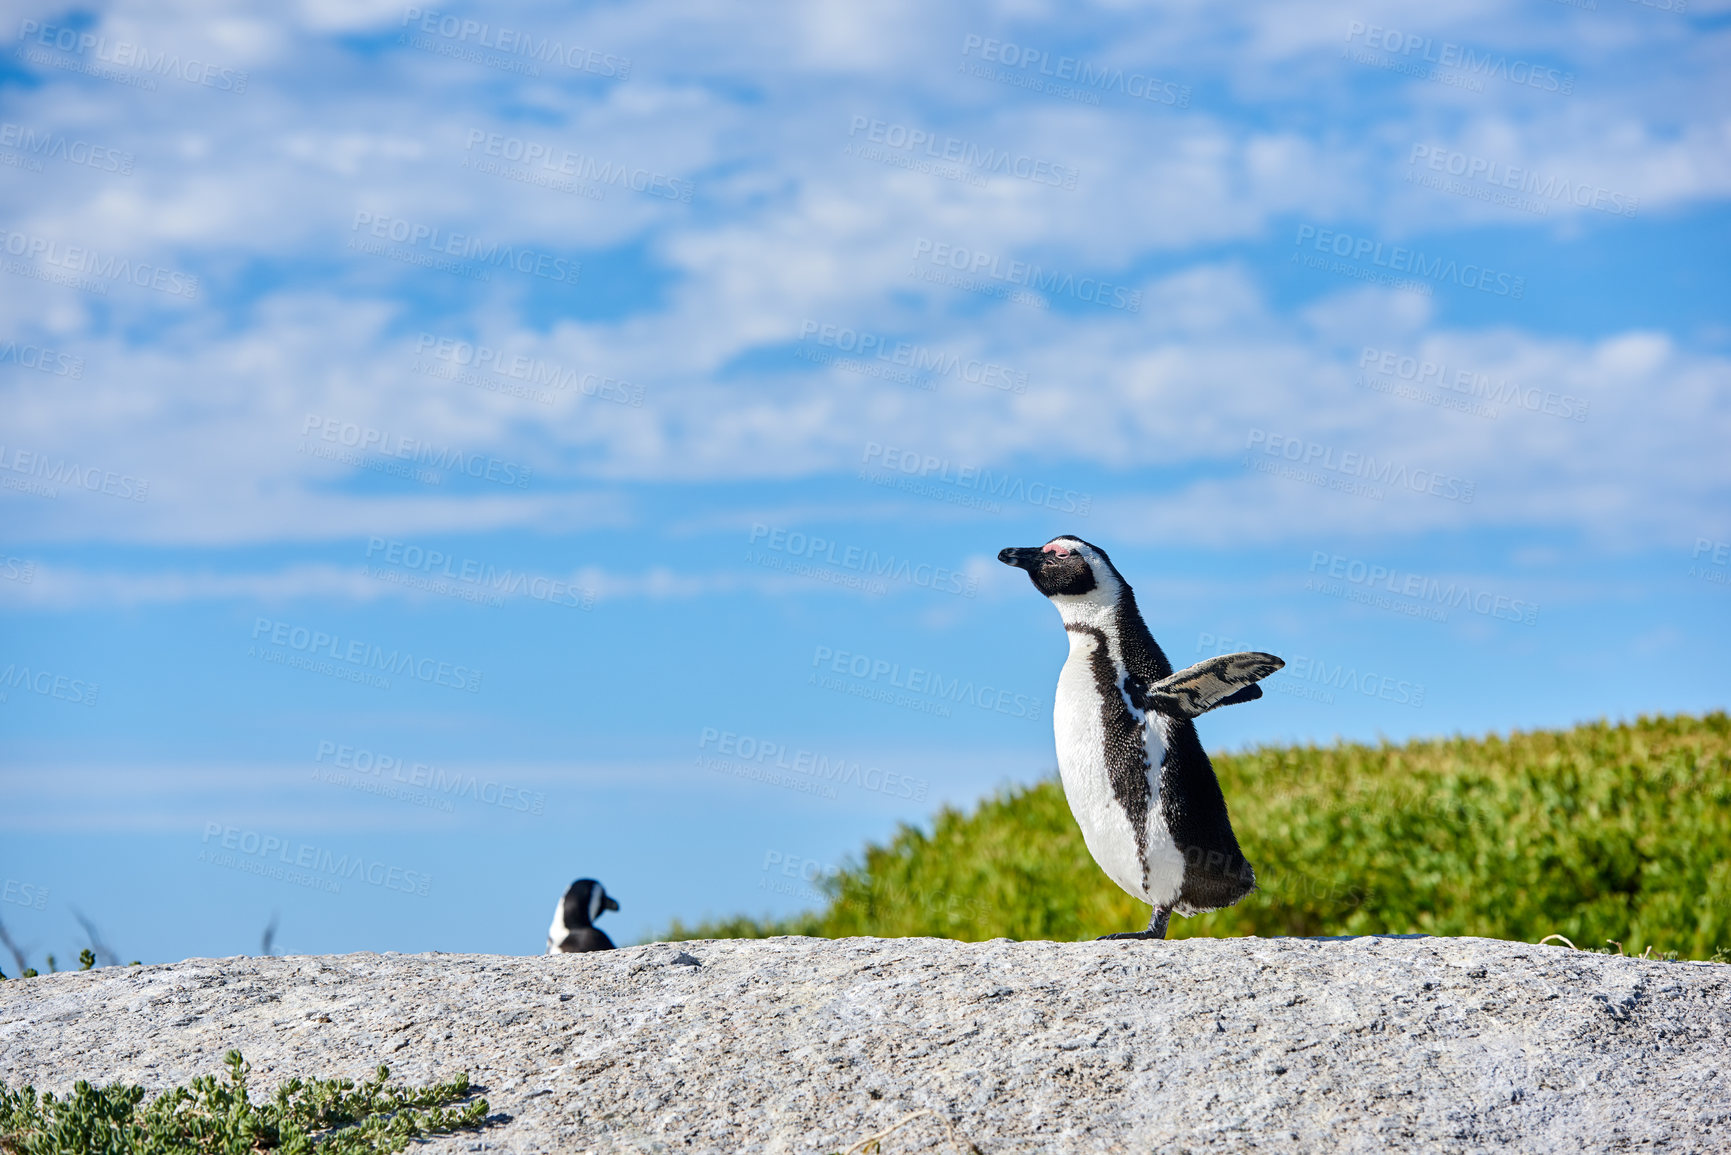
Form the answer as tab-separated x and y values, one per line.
1223	681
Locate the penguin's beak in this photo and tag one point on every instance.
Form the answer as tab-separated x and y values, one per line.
1024	557
610	903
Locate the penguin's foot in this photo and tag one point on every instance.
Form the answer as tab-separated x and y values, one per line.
1157	921
1156	926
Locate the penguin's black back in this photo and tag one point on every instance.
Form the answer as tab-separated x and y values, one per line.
585	938
1215	871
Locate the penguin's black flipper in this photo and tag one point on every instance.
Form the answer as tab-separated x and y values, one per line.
1221	681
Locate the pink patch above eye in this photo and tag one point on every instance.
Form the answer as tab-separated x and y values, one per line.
1053	547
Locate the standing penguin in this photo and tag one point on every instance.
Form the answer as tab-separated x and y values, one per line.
1137	779
573	928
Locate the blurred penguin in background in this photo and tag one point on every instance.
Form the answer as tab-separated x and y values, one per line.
573	928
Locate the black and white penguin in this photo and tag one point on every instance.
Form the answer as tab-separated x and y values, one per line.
573	928
1137	779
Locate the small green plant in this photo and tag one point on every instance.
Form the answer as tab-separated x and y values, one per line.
86	961
1662	956
213	1117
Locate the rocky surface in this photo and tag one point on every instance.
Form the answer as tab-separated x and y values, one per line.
807	1045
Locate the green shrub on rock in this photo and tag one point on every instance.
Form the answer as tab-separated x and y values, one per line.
1601	832
213	1117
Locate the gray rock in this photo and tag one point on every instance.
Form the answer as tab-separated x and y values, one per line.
808	1045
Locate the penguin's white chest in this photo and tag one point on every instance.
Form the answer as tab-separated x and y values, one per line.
1079	725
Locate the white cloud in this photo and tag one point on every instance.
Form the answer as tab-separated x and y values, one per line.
257	191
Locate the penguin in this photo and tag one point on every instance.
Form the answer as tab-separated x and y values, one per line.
1134	772
573	928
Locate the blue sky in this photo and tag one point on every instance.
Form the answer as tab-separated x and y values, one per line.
448	452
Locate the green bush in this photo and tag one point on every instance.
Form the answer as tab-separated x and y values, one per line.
330	1116
1600	833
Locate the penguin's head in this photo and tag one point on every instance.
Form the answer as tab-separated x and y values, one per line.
584	902
1066	567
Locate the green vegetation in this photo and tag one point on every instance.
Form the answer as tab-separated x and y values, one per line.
86	960
1601	833
330	1116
